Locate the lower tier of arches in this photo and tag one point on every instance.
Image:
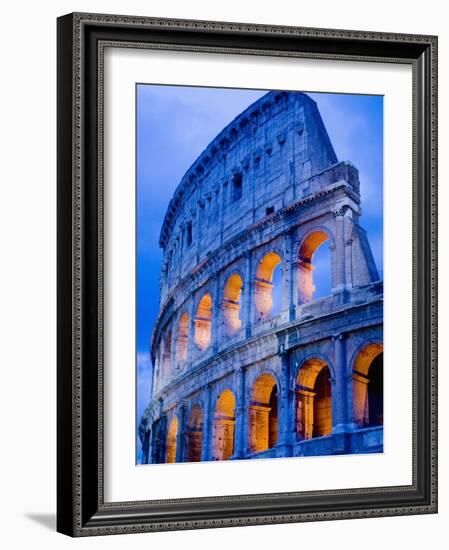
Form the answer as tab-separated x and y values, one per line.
316	407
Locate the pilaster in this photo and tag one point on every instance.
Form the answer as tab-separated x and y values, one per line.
180	439
207	425
340	420
285	393
248	292
289	300
240	413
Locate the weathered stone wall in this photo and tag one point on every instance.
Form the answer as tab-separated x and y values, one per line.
267	192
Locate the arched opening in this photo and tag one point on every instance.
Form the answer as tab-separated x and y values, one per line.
159	440
172	435
313	400
314	268
367	384
182	338
263	414
224	423
376	391
194	435
267	287
231	304
203	322
166	362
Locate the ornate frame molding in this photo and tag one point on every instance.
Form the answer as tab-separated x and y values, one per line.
81	41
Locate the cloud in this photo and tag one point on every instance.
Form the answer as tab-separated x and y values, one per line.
144	378
143	360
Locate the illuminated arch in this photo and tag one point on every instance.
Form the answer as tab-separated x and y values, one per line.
367	384
231	304
203	322
309	246
224	424
263	298
313	399
182	339
172	435
194	435
263	414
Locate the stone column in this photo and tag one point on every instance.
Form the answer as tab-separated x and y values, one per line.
357	391
248	298
152	444
339	261
221	205
285	394
295	267
340	421
199	217
288	300
180	440
174	340
240	414
162	373
146	446
304	413
191	346
215	313
155	373
348	262
208	425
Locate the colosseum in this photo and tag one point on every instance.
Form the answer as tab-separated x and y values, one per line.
235	377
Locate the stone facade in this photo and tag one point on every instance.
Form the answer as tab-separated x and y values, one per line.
233	378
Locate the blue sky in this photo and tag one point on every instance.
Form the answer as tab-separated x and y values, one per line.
175	124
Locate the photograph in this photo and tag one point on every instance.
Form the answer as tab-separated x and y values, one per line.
247	232
259	274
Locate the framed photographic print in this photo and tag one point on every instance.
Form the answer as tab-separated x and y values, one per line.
246	274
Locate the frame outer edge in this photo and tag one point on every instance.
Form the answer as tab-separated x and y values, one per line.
69	371
65	404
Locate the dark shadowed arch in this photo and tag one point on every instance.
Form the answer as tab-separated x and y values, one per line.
313	399
194	435
367	384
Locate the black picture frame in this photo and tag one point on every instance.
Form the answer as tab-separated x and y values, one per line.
81	510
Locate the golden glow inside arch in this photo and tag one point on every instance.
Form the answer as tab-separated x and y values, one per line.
263	414
366	356
224	427
183	338
203	322
194	435
263	298
172	435
306	287
231	304
313	400
367	385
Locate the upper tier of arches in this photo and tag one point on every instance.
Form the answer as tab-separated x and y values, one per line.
254	292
